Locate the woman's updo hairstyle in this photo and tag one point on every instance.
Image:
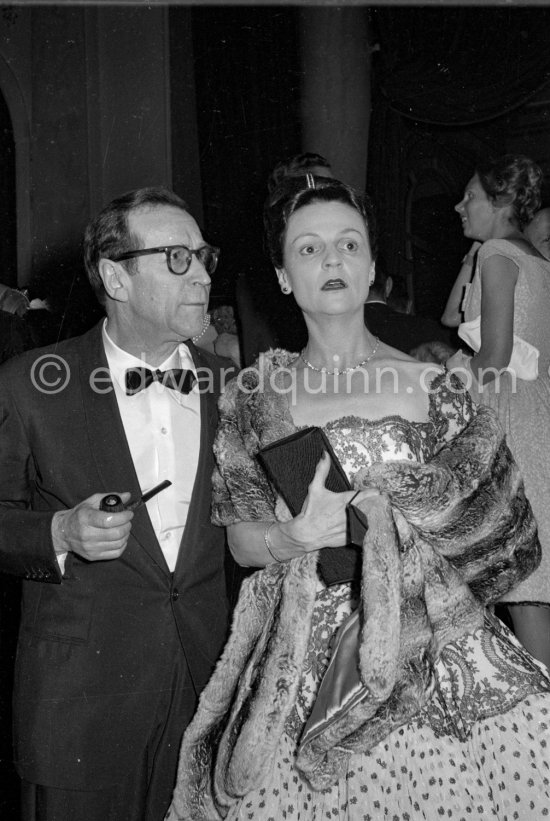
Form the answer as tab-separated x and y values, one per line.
513	180
294	193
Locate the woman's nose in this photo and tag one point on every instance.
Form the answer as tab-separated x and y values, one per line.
459	206
332	256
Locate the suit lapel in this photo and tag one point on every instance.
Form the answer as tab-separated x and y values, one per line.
108	442
199	507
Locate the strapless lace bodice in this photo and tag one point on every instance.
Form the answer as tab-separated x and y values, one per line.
359	442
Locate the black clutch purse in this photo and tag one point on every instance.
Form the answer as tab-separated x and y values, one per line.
290	465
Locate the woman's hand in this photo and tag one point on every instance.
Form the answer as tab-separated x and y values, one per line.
322	522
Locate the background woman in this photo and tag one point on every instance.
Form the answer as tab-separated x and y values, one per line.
506	322
395	714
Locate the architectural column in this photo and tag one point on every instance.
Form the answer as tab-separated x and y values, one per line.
336	98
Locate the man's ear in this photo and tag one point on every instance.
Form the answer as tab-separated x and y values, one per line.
283	280
114	276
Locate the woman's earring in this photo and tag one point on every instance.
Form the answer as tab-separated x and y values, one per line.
205	324
285	289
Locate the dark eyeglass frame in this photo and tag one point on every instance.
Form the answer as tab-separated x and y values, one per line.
203	254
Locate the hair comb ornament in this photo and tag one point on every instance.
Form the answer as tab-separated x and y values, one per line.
310	181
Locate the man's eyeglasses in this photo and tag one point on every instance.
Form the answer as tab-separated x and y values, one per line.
179	257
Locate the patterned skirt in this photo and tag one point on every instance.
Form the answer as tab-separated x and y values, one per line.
480	748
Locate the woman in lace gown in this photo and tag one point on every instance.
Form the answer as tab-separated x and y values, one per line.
460	718
505	321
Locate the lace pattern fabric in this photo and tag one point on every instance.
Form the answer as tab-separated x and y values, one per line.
478	678
469	672
473	677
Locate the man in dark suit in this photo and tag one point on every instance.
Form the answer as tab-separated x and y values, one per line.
401	330
123	613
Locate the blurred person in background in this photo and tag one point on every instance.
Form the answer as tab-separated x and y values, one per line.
404	331
538	232
13	301
501	304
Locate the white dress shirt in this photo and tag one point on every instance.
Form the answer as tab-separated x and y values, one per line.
162	427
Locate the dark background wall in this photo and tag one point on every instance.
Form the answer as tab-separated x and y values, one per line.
88	92
100	99
245	125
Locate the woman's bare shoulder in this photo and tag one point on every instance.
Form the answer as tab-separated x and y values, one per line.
386	352
392	357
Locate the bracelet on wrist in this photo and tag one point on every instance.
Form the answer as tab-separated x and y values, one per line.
268	545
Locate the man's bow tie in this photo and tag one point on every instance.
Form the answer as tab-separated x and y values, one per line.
178	379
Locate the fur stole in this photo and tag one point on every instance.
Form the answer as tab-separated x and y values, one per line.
444	539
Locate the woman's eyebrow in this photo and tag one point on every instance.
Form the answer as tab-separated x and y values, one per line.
313	234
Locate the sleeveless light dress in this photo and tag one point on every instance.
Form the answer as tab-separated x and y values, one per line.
523	407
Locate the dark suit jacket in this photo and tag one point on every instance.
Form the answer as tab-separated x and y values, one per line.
403	331
97	647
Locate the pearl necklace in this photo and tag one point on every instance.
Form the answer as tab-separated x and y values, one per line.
205	325
337	371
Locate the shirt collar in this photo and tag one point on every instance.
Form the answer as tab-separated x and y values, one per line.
120	360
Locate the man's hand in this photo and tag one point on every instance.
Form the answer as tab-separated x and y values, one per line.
90	532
